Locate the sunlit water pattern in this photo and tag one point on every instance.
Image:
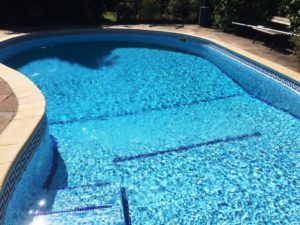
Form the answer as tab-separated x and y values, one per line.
187	143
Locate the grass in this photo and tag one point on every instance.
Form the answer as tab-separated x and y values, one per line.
112	16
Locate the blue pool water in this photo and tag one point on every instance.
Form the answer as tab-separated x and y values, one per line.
184	141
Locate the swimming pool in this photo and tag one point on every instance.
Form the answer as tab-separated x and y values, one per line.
150	128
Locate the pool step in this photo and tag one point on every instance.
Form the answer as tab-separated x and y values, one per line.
79	197
103	216
100	203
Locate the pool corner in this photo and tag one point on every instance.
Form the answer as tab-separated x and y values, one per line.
21	137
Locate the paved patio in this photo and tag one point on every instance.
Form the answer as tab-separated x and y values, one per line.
8	105
8	102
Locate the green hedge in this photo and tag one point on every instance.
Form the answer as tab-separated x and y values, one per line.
31	12
150	10
296	43
293	10
245	11
158	10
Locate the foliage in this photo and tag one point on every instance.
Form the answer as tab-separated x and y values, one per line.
179	9
293	10
223	11
126	11
111	16
74	11
245	11
283	8
36	12
194	10
93	10
150	9
296	42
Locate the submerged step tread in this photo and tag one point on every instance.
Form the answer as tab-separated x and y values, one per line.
96	216
100	203
85	196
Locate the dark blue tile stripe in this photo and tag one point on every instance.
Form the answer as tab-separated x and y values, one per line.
125	205
88	208
106	117
51	175
187	147
98	184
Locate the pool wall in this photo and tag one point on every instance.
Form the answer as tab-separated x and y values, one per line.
276	88
258	81
31	182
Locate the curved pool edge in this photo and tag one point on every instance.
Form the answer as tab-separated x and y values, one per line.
23	133
285	72
268	64
21	137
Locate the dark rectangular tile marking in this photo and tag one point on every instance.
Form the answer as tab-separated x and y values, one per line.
106	117
98	184
88	208
125	205
187	147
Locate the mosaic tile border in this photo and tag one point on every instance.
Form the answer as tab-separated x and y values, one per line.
20	165
258	68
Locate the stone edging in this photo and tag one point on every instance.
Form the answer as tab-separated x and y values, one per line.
21	137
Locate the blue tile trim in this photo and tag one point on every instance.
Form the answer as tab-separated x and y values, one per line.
126	212
19	166
88	208
188	147
258	68
177	105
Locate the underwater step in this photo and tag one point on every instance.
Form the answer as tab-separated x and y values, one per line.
70	204
97	216
86	196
